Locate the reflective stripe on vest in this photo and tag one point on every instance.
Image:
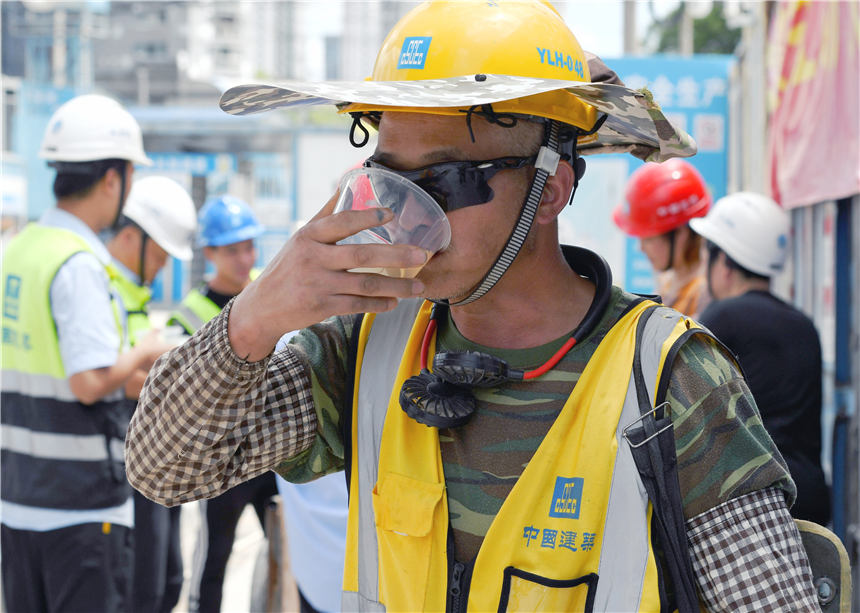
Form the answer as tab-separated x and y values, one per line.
196	309
397	536
56	452
50	446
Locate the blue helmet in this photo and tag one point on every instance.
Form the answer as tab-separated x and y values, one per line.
226	220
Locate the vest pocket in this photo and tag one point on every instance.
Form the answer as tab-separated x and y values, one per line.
404	509
405	505
524	591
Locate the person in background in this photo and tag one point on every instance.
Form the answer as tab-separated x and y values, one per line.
659	201
67	513
227	231
776	344
158	220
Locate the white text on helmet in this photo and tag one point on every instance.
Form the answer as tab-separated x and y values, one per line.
674	208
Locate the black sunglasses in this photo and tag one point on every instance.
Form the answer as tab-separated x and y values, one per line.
455	185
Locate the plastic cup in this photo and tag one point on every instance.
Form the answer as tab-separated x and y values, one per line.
418	219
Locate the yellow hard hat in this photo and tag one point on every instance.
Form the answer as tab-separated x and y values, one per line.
513	57
525	38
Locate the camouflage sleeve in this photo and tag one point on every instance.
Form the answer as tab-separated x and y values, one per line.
722	447
323	350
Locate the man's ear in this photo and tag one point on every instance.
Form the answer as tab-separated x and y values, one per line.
111	181
556	193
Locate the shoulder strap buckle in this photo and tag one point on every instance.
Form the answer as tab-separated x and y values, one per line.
630	436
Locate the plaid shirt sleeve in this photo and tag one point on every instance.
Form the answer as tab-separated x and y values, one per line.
208	420
747	556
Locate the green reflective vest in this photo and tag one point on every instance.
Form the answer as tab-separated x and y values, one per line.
134	299
196	309
56	452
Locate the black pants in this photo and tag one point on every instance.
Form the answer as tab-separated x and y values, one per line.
157	557
216	539
81	568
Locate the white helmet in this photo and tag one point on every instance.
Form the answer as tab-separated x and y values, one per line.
165	211
93	127
750	228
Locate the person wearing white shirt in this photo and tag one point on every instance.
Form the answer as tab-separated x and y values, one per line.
67	510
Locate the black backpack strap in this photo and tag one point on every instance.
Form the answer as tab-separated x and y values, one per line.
652	443
349	392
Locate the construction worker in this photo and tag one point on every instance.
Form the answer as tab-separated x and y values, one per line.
228	228
747	237
659	201
158	220
67	512
485	411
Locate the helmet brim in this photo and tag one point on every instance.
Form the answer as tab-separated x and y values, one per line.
230	238
140	159
634	124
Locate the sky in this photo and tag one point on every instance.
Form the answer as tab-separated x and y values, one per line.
599	24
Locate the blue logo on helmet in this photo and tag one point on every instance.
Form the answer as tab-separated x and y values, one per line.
414	52
566	497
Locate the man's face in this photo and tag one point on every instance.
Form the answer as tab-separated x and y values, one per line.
233	262
478	233
718	275
658	249
154	259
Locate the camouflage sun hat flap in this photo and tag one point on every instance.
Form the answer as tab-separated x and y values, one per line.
634	124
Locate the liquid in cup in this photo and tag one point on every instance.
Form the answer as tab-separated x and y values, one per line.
418	220
369	237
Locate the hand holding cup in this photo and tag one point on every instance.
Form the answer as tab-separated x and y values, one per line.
418	219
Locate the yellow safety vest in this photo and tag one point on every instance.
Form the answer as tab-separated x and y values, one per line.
56	452
574	532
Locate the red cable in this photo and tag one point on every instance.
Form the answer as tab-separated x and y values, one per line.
531	374
425	343
555	359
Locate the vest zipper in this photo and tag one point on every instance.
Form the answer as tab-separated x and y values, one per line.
455	588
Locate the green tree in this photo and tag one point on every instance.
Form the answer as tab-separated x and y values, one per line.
711	34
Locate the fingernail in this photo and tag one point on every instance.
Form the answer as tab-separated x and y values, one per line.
417	287
382	214
417	256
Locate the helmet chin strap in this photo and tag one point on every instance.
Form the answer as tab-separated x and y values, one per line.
143	238
546	164
115	226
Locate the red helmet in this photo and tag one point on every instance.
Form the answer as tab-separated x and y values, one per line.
662	197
